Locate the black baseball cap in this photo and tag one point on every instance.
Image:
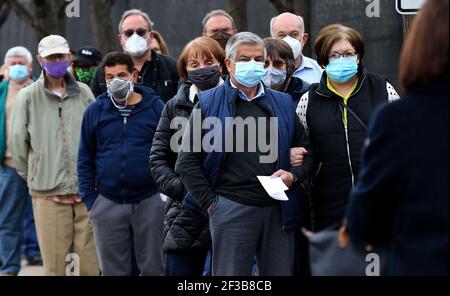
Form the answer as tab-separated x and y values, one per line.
88	56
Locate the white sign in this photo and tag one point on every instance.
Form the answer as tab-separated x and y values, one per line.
409	6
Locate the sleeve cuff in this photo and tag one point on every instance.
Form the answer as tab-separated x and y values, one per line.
89	200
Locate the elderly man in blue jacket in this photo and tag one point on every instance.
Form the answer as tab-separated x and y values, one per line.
114	174
222	179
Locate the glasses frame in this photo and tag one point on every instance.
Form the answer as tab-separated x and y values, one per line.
130	32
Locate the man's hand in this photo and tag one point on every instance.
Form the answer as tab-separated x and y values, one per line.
343	237
298	155
288	178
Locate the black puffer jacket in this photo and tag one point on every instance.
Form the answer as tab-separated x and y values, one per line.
337	149
184	229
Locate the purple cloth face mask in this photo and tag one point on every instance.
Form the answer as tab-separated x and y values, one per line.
56	70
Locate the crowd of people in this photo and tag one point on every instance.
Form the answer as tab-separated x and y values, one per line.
103	150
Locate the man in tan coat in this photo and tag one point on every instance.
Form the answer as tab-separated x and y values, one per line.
45	133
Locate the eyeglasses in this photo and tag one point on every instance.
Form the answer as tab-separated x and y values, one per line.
141	32
337	55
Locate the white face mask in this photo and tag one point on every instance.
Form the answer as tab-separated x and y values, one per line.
296	46
136	46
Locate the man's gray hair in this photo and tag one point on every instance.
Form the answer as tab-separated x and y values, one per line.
19	51
218	12
131	12
274	19
247	38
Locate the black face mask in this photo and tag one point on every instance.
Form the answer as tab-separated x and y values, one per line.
222	38
205	78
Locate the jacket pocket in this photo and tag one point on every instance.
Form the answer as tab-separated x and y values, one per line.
34	163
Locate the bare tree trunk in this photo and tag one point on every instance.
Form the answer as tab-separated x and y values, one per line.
238	10
4	11
46	16
102	27
303	8
283	6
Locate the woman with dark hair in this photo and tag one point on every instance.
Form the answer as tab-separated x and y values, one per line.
401	199
187	238
280	66
335	114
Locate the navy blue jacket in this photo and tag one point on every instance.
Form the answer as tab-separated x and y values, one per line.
220	103
114	152
401	199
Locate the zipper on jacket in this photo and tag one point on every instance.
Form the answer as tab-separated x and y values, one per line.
124	153
65	148
347	138
348	151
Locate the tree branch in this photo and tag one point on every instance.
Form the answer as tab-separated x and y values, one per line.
4	12
281	7
22	12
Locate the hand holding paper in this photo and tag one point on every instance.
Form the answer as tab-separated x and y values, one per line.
275	187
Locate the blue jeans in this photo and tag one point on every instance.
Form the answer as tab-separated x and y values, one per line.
30	246
13	198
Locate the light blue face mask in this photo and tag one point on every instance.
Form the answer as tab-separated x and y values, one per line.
18	72
249	74
274	77
343	69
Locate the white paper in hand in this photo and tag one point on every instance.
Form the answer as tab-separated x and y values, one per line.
274	187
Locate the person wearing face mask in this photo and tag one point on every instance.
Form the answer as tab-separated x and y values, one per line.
280	66
291	28
186	234
45	130
220	26
13	189
223	183
85	62
335	113
156	71
114	173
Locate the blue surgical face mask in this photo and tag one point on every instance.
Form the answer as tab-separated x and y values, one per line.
343	69
18	72
249	74
274	77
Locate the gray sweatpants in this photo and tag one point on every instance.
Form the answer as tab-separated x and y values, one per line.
113	224
240	233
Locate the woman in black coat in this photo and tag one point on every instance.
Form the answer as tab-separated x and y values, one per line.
401	199
186	233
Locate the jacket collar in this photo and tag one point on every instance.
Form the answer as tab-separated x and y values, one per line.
181	99
324	91
73	89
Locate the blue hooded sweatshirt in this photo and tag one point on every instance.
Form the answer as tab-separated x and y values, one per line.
113	158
